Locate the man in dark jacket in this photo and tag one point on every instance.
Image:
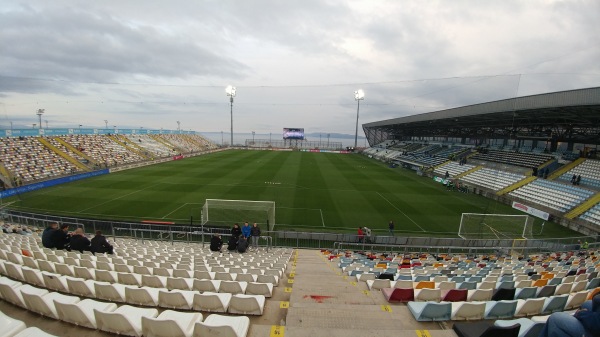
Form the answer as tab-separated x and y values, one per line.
61	237
99	244
47	235
255	235
79	242
216	243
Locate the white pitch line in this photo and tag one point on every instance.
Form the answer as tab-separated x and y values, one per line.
176	209
117	198
322	220
399	210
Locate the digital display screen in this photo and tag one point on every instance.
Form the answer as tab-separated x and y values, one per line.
293	133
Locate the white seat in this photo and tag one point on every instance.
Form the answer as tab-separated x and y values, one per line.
226	326
55	282
204	275
125	320
10	326
14	271
106	276
81	287
428	295
110	292
41	301
64	269
213	302
467	310
247	304
10	291
84	273
82	313
529	307
142	296
273	279
154	281
255	288
233	287
480	295
207	285
129	279
379	284
33	276
33	332
176	299
171	324
576	300
181	283
246	277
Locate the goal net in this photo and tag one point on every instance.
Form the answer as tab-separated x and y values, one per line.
495	226
222	212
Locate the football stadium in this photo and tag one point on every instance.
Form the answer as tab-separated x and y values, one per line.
460	206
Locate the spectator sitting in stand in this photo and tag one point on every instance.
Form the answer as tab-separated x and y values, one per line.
242	245
79	241
100	244
216	243
47	235
61	237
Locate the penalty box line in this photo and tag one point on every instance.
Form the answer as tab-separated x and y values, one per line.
309	209
399	210
180	207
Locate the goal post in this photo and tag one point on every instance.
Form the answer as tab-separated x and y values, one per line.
224	212
495	226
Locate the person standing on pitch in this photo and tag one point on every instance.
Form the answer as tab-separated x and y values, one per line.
391	227
255	235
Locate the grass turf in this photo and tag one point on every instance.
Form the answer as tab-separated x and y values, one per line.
312	191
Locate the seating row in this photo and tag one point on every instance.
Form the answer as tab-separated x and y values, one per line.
124	319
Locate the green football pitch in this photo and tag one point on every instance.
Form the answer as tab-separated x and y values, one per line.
318	192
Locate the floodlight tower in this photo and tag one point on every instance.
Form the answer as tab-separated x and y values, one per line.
40	112
359	95
179	126
106	123
230	91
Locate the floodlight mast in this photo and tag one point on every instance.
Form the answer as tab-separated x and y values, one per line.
230	91
359	95
40	112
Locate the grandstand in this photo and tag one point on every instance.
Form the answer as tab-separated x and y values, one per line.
164	278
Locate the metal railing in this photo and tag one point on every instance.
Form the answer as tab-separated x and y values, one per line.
401	244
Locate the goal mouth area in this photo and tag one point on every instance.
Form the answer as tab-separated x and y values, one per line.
495	226
224	212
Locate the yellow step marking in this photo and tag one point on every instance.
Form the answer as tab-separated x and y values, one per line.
366	292
386	308
290	280
353	283
287	289
423	333
345	277
284	304
292	275
277	331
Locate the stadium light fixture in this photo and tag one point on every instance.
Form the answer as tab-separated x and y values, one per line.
106	123
179	126
40	112
359	95
230	91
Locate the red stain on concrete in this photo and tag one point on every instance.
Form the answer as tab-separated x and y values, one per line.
318	298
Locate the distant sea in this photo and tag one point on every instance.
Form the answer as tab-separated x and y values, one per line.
240	138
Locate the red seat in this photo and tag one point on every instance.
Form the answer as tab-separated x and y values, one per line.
398	294
455	295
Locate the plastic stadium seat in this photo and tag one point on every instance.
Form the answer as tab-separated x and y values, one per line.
171	324
500	309
226	326
84	273
110	292
11	292
233	287
247	277
529	307
504	294
10	326
485	329
125	320
576	300
154	281
378	284
247	304
273	279
430	311
42	302
554	304
479	295
129	279
181	283
425	285
398	294
528	328
212	302
82	313
455	295
33	332
176	299
206	285
33	276
106	276
145	296
255	288
426	294
525	293
468	310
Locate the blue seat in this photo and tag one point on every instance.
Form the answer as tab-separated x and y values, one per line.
404	278
430	311
525	293
420	278
555	281
505	285
457	279
554	304
545	291
594	283
468	285
500	309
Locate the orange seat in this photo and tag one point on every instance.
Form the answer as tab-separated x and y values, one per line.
540	283
425	284
547	276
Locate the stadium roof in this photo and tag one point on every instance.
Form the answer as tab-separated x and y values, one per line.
572	115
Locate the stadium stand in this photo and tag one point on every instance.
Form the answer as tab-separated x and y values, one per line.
589	171
492	179
554	195
513	158
452	168
592	215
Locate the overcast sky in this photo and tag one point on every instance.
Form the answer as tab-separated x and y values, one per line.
295	63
